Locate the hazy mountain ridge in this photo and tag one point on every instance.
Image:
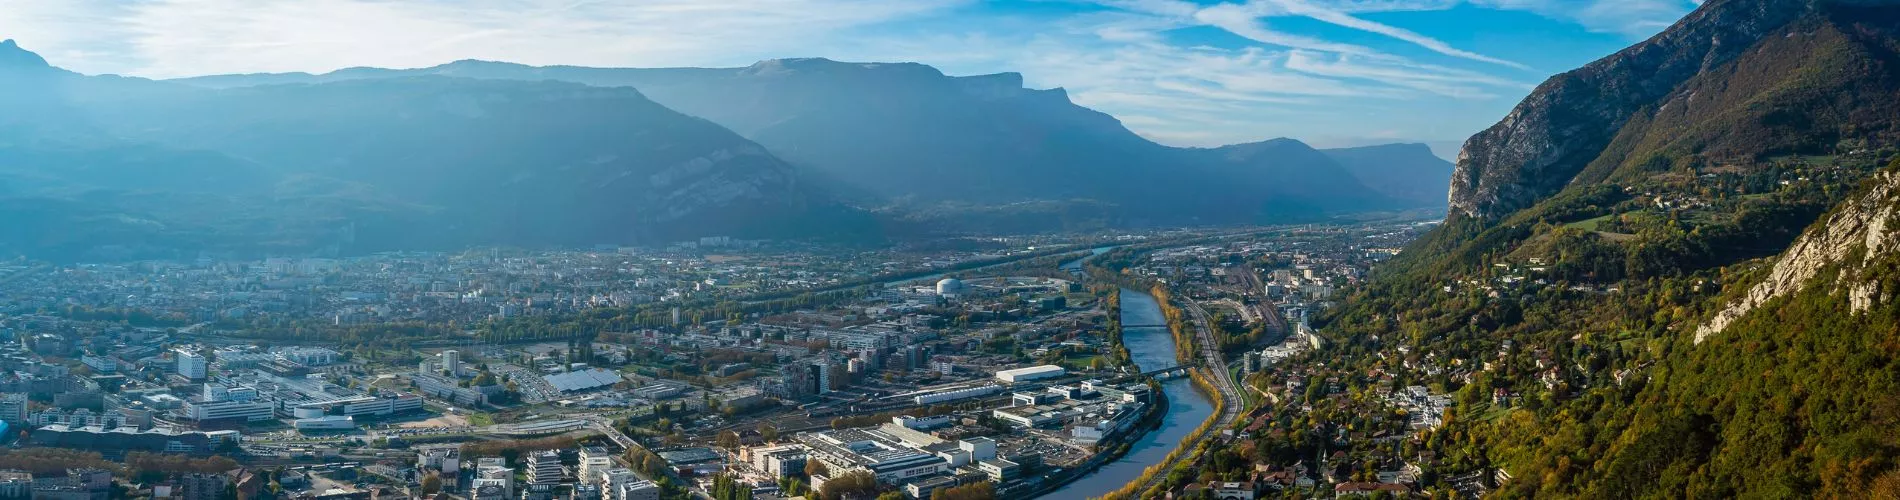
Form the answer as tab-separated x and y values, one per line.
1403	171
908	133
471	161
495	153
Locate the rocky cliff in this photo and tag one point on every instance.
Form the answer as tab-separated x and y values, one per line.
1858	232
1567	122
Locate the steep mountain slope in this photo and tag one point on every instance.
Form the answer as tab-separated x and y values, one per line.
1669	274
1407	172
1736	79
1787	391
907	132
1690	133
422	162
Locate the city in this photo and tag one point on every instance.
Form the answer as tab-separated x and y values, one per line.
783	371
949	249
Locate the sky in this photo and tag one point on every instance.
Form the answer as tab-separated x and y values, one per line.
1186	73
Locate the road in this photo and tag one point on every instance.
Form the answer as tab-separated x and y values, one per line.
1215	363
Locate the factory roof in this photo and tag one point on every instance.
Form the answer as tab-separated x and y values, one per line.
583	380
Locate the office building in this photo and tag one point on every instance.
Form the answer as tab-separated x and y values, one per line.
13	408
232	410
595	461
191	365
452	362
544	467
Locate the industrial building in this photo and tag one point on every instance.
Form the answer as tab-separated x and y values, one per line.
952	288
1030	373
922	423
326	423
956	394
360	406
1091	411
225	401
451	389
230	410
130	439
884	455
659	391
583	380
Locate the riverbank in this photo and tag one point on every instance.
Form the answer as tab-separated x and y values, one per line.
1148	484
1186	406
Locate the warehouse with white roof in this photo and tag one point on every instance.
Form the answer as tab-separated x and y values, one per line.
1030	373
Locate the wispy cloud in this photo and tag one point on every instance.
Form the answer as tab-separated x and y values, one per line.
1245	20
1300	7
1633	18
1145	61
165	38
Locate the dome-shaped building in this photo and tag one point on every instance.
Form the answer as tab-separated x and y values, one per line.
951	287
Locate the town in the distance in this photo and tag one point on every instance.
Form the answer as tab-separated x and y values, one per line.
1020	366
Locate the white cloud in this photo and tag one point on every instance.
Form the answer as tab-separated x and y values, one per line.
1245	21
1124	57
1300	7
165	38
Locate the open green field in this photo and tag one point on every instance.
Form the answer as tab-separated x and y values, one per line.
1589	224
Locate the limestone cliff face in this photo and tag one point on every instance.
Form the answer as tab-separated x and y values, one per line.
1858	232
1567	121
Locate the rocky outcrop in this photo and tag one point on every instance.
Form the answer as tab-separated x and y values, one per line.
1566	123
1858	232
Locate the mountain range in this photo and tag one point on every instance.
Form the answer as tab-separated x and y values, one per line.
906	132
115	165
484	153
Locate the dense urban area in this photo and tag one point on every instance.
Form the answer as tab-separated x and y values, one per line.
719	368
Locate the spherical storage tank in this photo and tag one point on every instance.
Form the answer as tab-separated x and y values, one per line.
950	287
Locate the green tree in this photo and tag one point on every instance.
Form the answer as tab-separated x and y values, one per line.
815	467
431	484
854	485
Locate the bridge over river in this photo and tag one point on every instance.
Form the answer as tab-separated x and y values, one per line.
1152	347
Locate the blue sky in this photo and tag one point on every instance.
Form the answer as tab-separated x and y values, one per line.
1191	73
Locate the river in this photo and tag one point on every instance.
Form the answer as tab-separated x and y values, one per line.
1151	347
1075	266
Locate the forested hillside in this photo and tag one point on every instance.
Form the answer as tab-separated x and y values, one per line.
1573	304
